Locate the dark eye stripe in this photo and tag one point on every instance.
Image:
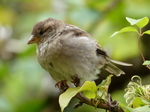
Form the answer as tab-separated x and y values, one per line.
41	32
45	30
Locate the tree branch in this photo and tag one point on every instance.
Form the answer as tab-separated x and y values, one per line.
111	105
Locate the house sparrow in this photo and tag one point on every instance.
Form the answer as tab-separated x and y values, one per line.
69	54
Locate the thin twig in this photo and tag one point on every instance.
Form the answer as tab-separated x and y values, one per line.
139	46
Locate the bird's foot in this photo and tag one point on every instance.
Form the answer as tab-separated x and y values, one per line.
62	85
76	80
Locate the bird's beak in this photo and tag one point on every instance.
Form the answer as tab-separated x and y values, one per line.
33	39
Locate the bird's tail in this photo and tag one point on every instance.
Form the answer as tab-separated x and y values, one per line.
113	69
110	67
120	63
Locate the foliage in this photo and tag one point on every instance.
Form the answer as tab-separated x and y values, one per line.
24	85
137	94
89	89
140	23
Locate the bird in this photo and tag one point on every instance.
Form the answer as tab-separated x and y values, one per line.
70	54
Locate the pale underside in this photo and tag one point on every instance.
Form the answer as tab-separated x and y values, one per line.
67	58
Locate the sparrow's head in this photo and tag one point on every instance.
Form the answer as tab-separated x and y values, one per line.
46	29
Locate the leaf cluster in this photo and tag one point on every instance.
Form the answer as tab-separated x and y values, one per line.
136	25
89	90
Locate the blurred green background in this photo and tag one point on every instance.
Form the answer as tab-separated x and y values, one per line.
25	86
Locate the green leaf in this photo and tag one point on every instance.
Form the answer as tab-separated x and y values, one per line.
139	22
147	62
126	29
89	94
106	82
115	33
89	89
88	86
65	97
143	22
145	108
126	108
138	102
132	21
103	88
147	32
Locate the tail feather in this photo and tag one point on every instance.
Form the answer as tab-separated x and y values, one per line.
120	63
113	69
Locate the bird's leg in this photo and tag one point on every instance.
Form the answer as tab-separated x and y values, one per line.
76	80
62	85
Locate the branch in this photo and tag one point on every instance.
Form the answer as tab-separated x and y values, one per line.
112	106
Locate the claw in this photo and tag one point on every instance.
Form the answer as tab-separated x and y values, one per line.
76	81
62	85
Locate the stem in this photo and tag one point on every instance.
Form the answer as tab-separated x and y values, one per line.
139	45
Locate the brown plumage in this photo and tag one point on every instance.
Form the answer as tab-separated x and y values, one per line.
66	51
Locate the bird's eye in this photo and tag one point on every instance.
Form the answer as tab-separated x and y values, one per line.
41	32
